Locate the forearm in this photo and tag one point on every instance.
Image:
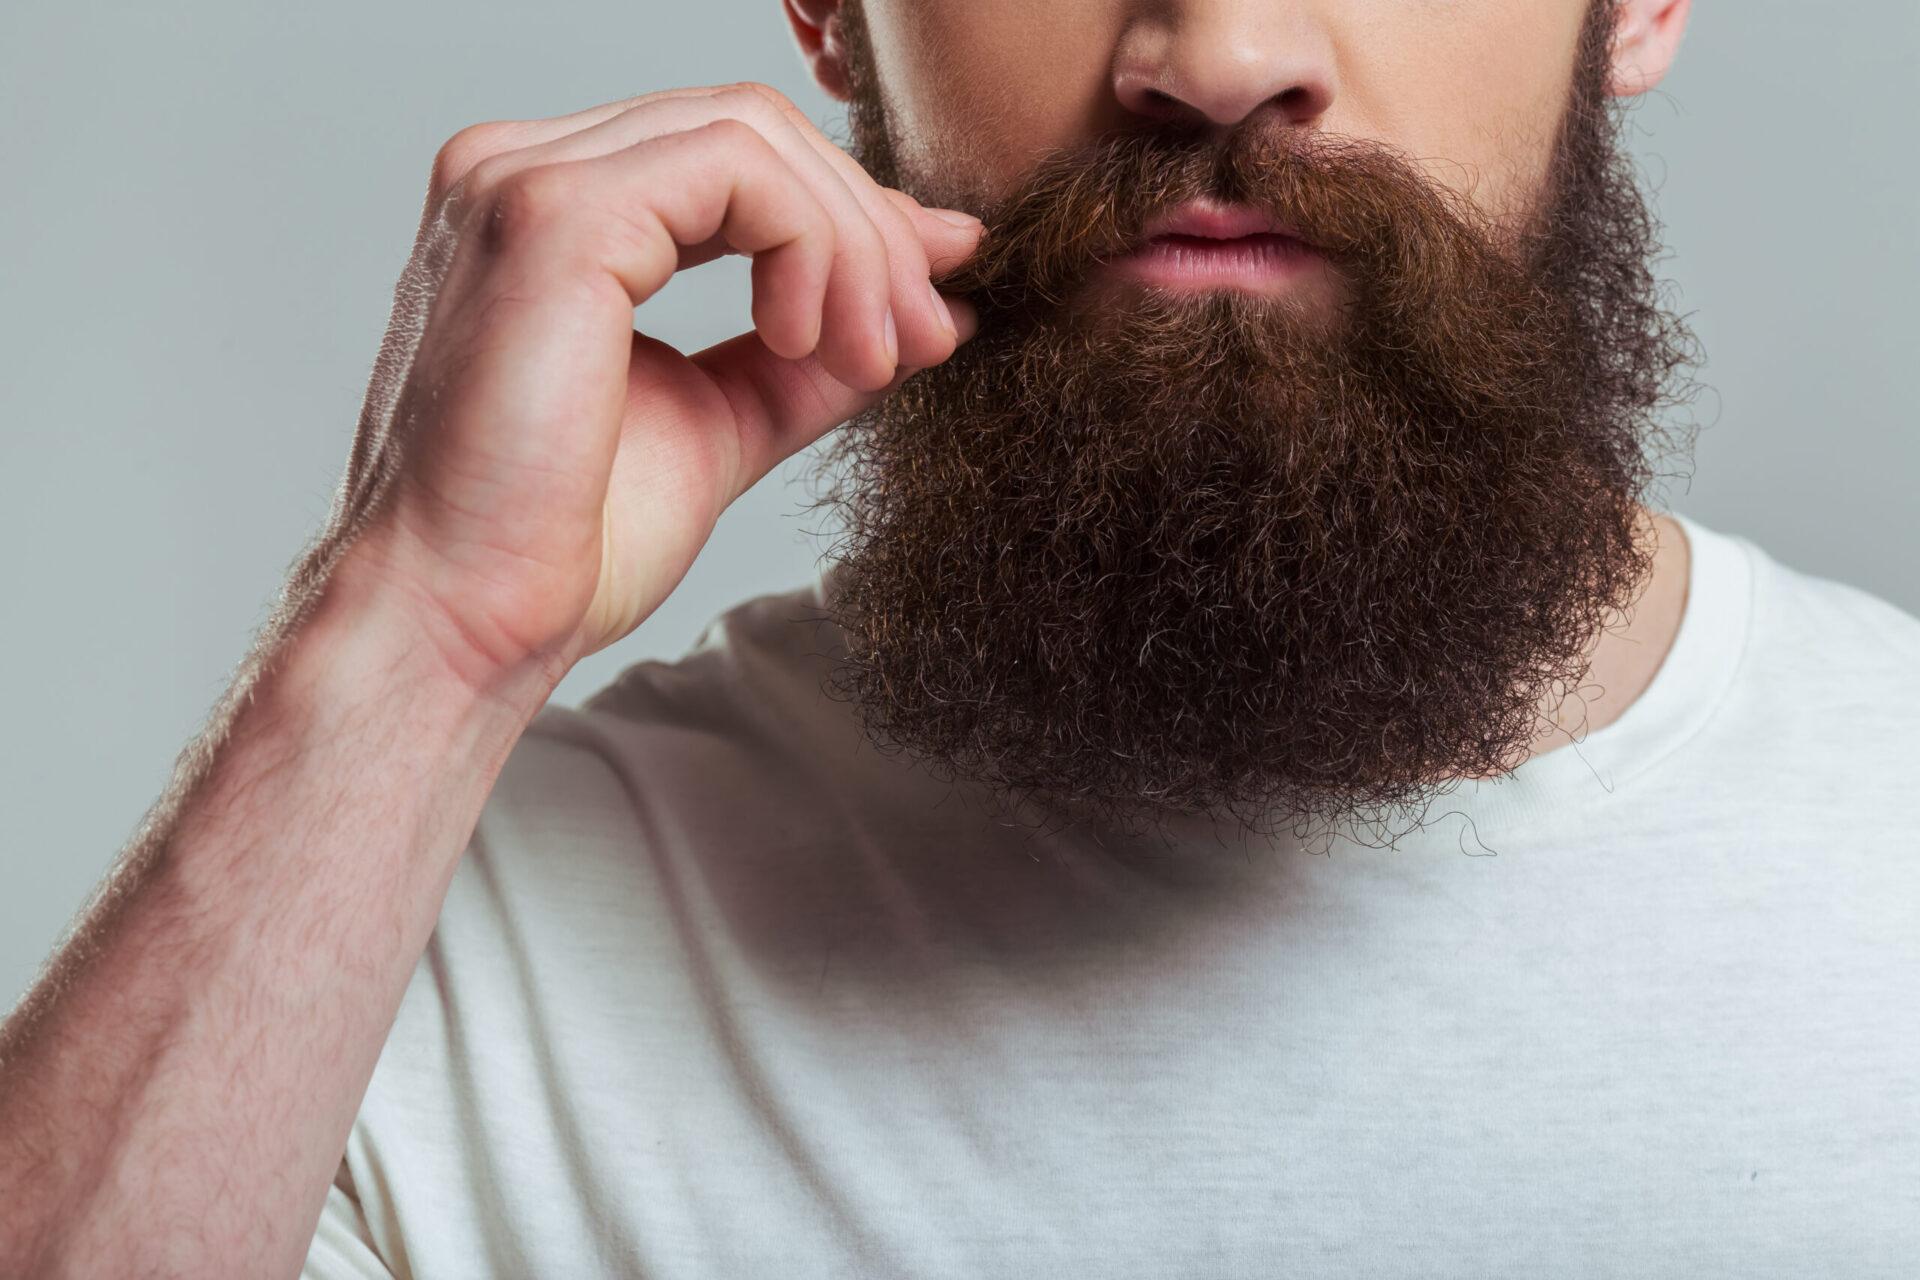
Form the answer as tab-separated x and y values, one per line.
176	1091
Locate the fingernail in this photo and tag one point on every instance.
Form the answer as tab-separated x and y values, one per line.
955	218
893	340
940	309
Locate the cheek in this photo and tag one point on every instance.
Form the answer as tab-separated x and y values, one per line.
981	88
1475	88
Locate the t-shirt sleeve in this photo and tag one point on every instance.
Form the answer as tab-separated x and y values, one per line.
342	1247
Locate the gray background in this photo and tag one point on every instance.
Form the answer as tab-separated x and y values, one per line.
204	206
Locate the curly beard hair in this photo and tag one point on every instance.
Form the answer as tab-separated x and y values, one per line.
1215	553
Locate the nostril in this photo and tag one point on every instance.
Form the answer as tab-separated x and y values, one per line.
1161	103
1299	102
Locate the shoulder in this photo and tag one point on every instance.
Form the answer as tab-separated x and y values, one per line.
1825	680
752	679
675	768
749	673
1825	623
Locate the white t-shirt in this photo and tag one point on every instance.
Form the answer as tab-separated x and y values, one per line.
721	990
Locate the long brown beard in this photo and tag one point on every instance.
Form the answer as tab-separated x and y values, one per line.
1213	554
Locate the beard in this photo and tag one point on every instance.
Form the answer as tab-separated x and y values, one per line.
1225	554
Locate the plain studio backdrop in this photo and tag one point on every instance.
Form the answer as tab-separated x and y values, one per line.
204	207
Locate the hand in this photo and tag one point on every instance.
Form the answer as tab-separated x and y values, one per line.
532	476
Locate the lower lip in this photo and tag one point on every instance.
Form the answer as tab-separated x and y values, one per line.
1257	262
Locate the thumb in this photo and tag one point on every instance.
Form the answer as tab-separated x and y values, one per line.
782	405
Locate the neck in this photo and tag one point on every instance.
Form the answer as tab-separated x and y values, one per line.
1631	647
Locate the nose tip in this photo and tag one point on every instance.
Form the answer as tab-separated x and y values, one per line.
1200	71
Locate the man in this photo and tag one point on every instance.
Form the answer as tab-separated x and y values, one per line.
1260	793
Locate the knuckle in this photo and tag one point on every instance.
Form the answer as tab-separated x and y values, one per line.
527	205
741	104
731	132
459	154
757	101
763	92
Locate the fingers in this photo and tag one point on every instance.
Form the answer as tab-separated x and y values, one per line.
551	265
948	236
874	231
886	243
818	288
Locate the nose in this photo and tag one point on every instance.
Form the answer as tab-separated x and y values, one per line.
1216	62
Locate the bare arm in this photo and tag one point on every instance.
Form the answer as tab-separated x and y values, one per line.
530	479
180	1083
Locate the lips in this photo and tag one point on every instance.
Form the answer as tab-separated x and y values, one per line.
1201	246
1201	220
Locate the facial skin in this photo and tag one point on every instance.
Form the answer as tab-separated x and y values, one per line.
1471	86
1303	544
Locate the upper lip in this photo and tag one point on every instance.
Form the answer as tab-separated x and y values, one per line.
1211	221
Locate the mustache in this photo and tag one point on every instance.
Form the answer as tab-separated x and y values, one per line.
1359	202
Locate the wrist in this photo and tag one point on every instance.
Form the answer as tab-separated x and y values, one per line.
366	643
